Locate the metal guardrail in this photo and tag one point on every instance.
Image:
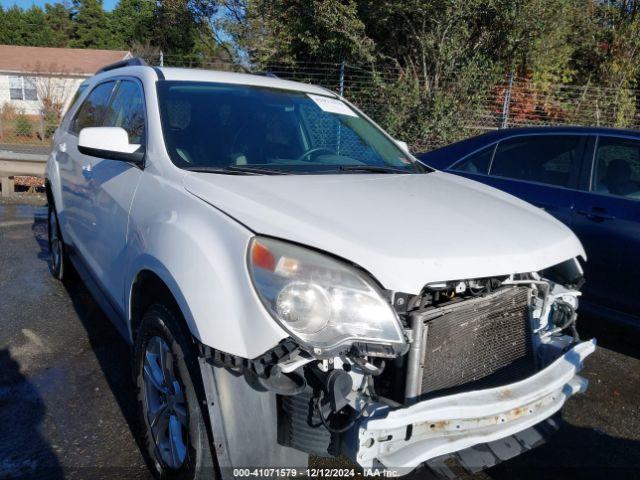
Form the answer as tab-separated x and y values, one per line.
19	164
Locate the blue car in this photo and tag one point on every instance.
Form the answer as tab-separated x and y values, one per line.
589	179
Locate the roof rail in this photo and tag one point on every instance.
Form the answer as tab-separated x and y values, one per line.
130	62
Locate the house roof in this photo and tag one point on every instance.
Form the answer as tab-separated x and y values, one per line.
78	61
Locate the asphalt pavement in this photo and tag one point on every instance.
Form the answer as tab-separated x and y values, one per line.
67	407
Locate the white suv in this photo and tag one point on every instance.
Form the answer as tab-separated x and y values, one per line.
294	282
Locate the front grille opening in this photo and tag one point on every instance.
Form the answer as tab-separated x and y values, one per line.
478	343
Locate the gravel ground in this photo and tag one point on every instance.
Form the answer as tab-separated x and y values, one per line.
66	400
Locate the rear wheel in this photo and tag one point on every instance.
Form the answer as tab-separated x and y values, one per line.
58	264
174	433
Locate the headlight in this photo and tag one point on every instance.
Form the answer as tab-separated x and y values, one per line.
320	301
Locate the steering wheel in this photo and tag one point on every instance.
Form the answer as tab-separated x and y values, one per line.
314	151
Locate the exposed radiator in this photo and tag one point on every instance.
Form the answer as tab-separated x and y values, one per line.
478	343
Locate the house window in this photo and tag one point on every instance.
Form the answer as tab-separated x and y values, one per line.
22	88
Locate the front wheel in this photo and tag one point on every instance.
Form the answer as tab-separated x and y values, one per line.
174	435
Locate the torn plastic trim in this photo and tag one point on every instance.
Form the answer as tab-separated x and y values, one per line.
286	350
410	436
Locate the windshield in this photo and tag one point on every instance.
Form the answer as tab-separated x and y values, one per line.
225	128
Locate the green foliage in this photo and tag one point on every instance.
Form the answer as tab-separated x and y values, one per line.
92	26
133	21
51	119
425	64
175	29
24	27
307	30
23	126
178	27
441	59
58	17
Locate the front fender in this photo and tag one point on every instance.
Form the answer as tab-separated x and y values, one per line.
200	253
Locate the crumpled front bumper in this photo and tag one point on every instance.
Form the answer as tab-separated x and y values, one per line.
407	437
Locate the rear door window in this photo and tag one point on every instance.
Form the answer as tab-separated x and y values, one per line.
547	159
93	109
617	167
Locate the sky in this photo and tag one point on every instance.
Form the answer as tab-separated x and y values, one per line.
108	4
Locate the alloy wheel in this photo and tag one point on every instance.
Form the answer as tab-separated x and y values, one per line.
165	402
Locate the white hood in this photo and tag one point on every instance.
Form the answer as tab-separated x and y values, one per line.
406	230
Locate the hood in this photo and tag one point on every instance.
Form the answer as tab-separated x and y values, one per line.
406	230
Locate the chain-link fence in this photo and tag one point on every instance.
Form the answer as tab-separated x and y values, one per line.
428	115
424	112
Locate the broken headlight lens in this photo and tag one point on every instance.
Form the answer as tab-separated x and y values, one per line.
322	302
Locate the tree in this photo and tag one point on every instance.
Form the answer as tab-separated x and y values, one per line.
180	27
58	17
92	28
26	27
37	31
13	27
133	22
304	31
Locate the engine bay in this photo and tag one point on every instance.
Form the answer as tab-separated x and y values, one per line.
462	336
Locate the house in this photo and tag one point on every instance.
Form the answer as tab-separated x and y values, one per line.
34	79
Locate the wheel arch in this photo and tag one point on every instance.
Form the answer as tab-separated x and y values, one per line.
156	285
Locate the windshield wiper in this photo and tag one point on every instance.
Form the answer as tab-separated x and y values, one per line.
236	170
371	168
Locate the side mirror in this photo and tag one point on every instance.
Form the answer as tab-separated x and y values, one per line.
403	145
111	143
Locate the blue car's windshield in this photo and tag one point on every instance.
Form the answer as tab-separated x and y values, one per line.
220	127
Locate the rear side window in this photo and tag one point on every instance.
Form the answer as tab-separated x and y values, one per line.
548	159
93	109
617	167
476	162
127	110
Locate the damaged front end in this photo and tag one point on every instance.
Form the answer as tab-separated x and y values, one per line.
475	361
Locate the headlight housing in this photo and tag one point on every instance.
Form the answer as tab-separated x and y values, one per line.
325	304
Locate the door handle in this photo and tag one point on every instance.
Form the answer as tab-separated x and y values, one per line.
596	214
62	147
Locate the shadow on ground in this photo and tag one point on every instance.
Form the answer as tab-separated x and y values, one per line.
24	453
574	453
621	339
109	348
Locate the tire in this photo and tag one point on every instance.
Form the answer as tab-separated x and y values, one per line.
175	443
59	260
